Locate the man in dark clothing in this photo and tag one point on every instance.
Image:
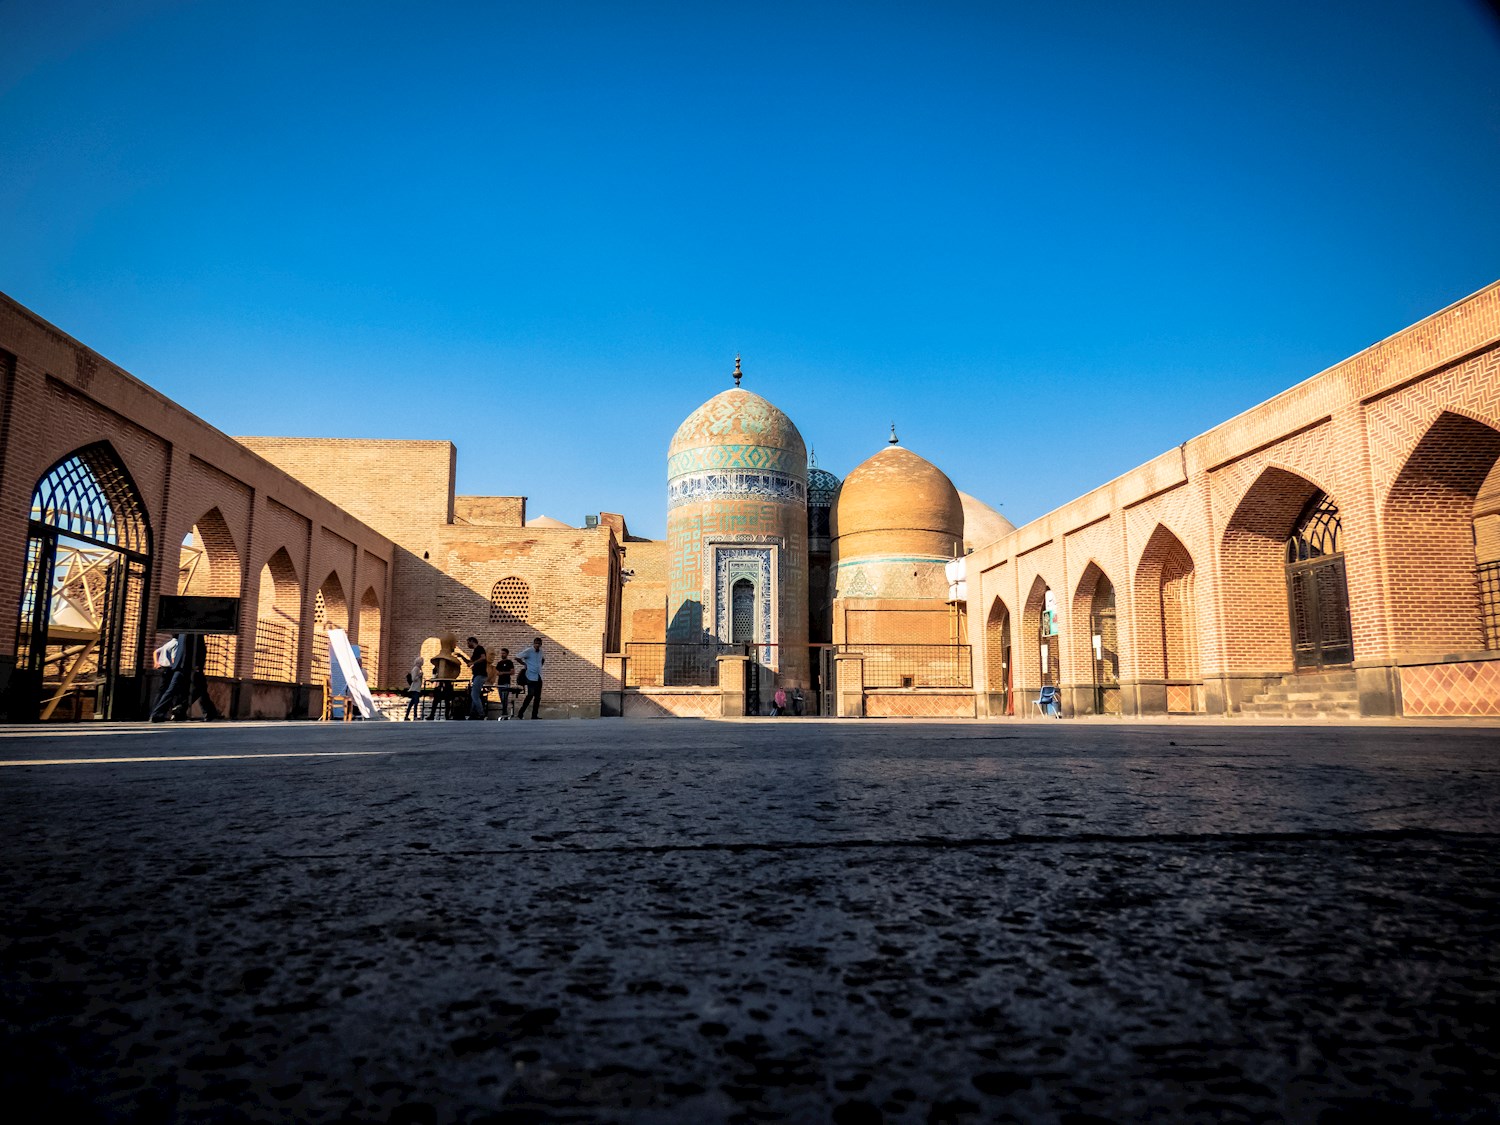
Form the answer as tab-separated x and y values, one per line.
479	677
187	684
504	668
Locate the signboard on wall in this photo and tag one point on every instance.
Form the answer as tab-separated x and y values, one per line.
182	613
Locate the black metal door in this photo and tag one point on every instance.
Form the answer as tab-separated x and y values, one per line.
752	681
1318	597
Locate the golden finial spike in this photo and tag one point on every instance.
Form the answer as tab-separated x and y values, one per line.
738	374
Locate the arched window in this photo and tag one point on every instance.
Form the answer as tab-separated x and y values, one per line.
742	612
510	602
1317	533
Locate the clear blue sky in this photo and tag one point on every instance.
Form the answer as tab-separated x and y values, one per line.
1049	240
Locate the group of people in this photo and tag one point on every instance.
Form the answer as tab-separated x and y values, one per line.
525	669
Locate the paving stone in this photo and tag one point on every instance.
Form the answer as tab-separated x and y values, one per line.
668	921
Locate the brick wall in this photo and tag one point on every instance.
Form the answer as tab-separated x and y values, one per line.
59	396
1403	438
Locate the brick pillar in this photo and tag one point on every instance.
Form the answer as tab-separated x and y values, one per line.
850	678
732	685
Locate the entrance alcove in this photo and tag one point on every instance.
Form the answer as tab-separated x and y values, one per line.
81	629
1284	591
1099	649
1165	644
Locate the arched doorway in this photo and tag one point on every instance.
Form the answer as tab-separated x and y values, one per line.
81	632
1317	588
1041	631
997	660
1165	640
1095	601
1284	524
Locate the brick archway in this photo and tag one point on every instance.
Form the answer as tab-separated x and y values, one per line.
1253	566
998	661
1432	548
1094	614
208	565
369	634
278	620
330	611
1165	641
1030	665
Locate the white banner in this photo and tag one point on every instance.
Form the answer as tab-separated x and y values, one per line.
354	676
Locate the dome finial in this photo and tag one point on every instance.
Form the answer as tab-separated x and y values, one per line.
894	439
738	374
812	456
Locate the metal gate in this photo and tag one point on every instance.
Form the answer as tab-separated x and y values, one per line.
1318	595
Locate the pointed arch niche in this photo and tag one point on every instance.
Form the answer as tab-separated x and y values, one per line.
1096	648
1260	552
278	620
1166	635
1041	658
369	634
330	611
998	665
208	565
1442	527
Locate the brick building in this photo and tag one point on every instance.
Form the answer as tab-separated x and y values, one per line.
1336	549
110	495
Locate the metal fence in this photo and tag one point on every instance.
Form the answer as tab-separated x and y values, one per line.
275	651
896	666
220	652
658	664
1489	602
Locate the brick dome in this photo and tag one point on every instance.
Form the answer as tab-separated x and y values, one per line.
897	503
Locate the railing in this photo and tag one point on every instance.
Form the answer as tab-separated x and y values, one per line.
1489	603
896	666
671	664
220	652
275	651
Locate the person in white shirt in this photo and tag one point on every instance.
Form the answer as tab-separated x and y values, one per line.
533	659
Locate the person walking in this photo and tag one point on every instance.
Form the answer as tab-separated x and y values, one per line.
414	690
505	667
532	660
479	677
188	683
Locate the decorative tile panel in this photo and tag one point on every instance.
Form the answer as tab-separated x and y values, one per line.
1438	690
695	488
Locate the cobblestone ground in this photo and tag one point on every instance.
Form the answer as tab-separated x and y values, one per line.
761	921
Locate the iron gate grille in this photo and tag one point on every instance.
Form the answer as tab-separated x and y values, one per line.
1489	603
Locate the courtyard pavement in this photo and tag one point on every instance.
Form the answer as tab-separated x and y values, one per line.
765	920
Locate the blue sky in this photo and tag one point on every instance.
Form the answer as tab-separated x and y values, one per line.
1049	241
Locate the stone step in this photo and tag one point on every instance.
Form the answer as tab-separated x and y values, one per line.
1308	709
1312	696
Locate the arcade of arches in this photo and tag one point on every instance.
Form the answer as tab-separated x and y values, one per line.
1334	550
